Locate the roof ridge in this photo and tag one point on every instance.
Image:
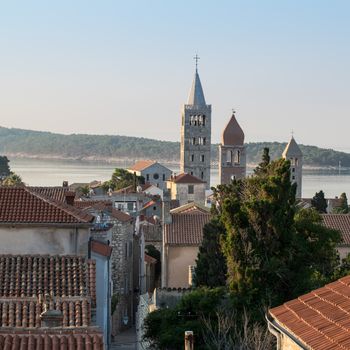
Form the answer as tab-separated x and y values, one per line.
62	206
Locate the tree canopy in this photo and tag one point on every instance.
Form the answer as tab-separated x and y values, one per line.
319	202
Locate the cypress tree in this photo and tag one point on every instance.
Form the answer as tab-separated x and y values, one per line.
319	202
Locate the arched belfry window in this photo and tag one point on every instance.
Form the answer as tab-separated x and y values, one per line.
229	156
203	120
237	157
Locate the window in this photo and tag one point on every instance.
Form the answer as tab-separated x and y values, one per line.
191	172
237	157
154	208
130	249
147	177
190	189
193	141
155	176
126	250
192	157
228	156
202	175
163	177
203	120
202	157
293	177
293	170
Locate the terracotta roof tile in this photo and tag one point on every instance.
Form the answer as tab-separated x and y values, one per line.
22	205
25	312
339	222
320	319
52	339
186	179
57	193
101	248
142	164
187	225
121	216
60	276
99	205
149	259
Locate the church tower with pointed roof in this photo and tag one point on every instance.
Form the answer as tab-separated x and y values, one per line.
232	152
196	133
293	153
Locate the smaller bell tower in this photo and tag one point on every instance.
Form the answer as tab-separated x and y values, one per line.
232	152
293	153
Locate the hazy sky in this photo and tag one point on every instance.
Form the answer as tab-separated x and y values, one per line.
126	67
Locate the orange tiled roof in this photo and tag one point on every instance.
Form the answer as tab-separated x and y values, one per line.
319	319
57	193
187	225
23	205
51	339
101	248
142	164
24	276
96	204
25	312
340	222
121	216
186	179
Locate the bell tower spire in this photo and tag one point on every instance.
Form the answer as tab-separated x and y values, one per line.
196	132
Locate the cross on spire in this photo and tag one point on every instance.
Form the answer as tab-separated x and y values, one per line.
196	58
233	111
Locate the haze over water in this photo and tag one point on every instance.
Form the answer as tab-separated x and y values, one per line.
36	172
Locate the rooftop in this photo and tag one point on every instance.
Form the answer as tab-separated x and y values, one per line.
319	319
185	178
187	225
25	205
339	222
142	165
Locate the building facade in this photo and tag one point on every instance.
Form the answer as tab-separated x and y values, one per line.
196	134
232	152
293	153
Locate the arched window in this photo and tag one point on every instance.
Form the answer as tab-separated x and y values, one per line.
203	120
237	157
228	156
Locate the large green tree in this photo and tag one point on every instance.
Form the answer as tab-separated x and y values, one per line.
211	268
4	167
122	178
319	202
274	251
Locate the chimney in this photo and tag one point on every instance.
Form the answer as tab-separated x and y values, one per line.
65	184
51	318
70	196
166	216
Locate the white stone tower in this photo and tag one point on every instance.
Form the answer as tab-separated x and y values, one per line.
196	133
293	153
232	152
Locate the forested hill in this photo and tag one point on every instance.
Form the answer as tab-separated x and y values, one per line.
18	142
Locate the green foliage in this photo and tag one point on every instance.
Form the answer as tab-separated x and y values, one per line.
79	146
263	165
4	167
165	328
121	178
274	252
344	206
12	180
319	202
211	264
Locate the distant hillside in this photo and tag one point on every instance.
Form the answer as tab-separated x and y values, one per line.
18	142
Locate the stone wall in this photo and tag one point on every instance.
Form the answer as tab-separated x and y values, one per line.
122	273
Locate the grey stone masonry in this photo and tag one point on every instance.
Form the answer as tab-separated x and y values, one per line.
196	141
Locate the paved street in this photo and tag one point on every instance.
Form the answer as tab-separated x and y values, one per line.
125	340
